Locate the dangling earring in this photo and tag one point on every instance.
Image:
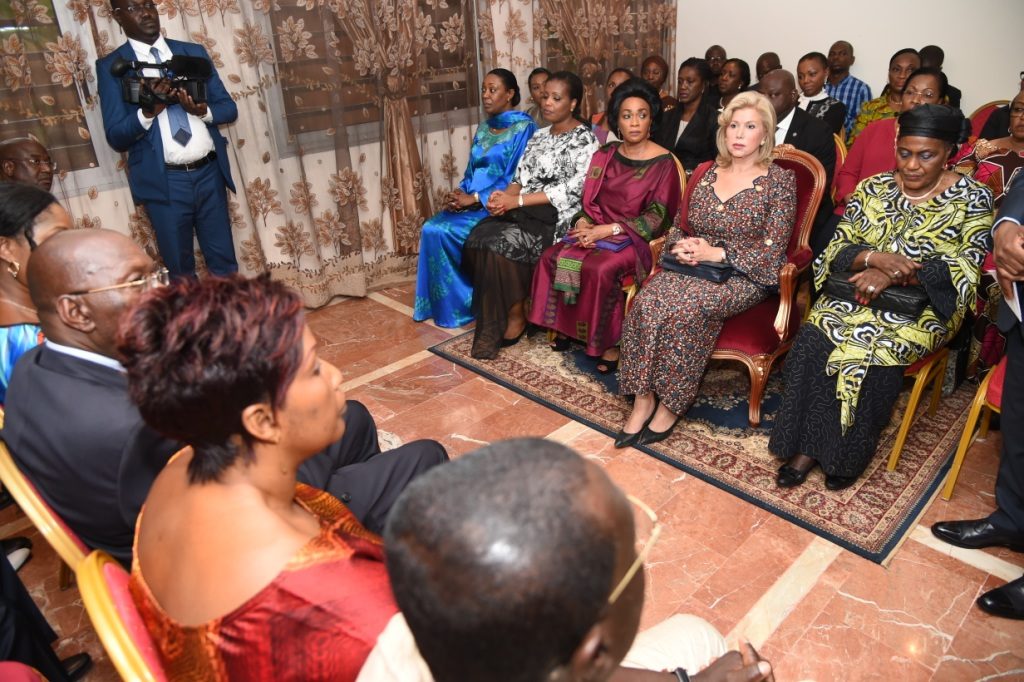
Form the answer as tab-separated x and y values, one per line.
14	267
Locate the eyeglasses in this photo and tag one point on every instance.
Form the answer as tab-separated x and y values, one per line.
1016	112
142	7
158	278
641	555
38	163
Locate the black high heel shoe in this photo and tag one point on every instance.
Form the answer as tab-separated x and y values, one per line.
505	343
648	436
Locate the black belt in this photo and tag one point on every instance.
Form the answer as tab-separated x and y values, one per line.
212	156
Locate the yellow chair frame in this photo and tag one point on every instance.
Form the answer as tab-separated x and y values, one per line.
42	517
980	406
841	152
117	641
932	372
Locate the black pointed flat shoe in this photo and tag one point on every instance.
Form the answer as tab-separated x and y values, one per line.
625	440
648	436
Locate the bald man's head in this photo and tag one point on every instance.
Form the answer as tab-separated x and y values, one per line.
779	87
23	159
63	277
769	61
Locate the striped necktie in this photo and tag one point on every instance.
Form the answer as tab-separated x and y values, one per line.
177	117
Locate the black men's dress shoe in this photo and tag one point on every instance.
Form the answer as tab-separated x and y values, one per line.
976	534
839	482
77	666
18	551
1006	601
791	477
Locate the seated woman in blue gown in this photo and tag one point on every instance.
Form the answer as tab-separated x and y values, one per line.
442	291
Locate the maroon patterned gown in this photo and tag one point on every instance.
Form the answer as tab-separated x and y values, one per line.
672	327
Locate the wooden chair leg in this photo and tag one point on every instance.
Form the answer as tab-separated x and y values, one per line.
986	419
977	406
908	416
759	371
937	382
65	576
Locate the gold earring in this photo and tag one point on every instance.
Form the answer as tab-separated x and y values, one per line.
14	267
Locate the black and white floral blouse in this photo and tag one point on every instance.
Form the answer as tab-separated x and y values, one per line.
557	166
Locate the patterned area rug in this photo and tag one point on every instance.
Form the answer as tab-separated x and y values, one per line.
714	442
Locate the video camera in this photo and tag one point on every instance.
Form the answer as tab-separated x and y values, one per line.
187	73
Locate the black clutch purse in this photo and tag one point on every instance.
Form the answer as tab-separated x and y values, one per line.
705	269
910	300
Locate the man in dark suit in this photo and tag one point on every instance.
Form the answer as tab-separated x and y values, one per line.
805	132
177	158
1004	526
77	436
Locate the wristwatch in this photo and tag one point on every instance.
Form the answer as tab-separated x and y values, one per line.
616	229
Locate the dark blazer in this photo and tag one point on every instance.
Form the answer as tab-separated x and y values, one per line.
697	143
147	177
1013	207
812	135
75	434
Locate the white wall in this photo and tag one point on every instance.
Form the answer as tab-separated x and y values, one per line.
981	38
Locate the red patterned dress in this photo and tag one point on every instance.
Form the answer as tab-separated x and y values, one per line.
672	327
317	620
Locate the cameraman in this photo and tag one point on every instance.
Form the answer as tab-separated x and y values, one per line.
177	159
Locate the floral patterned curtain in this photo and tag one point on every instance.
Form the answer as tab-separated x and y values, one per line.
355	116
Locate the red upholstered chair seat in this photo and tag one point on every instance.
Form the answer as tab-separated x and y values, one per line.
759	336
994	394
752	332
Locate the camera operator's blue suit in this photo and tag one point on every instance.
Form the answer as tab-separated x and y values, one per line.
176	200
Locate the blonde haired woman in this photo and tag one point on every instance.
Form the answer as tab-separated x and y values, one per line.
739	211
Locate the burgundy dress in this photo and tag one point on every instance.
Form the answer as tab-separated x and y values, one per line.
578	291
675	320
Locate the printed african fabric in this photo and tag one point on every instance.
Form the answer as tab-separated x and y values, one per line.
877	109
442	290
578	291
992	165
14	341
949	234
675	320
556	165
317	620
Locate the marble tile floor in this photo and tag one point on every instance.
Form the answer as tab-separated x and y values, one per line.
816	611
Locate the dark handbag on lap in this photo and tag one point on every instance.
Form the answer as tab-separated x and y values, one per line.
705	269
910	300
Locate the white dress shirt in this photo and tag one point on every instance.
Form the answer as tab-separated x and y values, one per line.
783	127
83	354
201	143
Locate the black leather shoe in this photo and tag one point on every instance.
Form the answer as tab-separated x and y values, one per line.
77	666
839	482
1006	601
792	476
648	436
976	534
624	440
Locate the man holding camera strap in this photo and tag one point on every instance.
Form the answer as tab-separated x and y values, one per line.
177	159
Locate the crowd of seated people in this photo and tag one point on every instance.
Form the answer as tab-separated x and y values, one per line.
187	414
